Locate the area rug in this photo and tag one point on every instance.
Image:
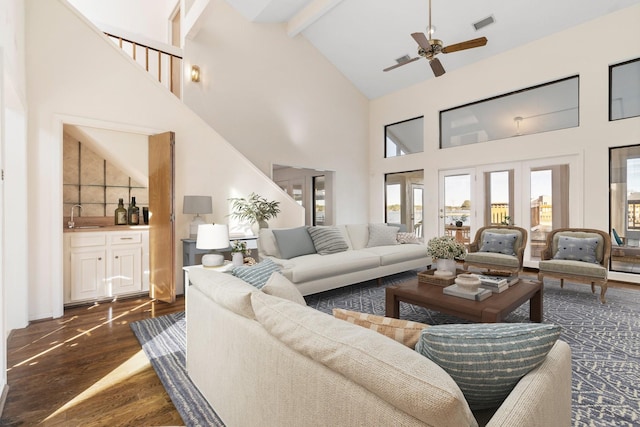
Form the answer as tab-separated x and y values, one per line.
604	340
163	340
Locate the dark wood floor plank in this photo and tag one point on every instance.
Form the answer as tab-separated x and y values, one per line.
86	369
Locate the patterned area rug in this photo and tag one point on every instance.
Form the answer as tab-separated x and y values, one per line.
163	340
604	340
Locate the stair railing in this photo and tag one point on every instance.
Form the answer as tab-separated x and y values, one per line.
164	65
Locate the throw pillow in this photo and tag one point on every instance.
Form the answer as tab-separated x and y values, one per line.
280	286
500	243
258	274
488	360
327	240
293	242
404	238
577	248
382	235
617	238
404	331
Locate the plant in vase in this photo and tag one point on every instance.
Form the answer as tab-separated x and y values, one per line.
238	252
254	209
445	250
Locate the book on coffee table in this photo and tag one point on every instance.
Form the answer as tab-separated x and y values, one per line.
456	291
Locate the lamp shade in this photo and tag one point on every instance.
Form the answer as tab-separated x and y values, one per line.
212	236
197	205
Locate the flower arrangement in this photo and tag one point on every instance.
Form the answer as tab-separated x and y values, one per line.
241	247
445	247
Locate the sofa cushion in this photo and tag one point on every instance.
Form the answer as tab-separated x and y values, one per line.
382	235
393	372
313	267
224	289
281	287
487	360
267	243
501	243
577	249
395	254
328	240
358	234
404	238
293	242
492	258
573	268
258	274
404	331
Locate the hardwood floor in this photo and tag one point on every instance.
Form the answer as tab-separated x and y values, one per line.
87	369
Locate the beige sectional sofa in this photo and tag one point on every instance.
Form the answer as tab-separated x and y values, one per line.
262	357
313	272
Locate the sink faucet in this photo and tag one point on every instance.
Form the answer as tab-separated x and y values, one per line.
71	223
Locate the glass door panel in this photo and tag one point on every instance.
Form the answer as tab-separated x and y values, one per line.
318	200
403	199
456	205
499	198
549	208
418	192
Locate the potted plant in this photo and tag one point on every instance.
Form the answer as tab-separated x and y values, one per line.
459	220
254	209
239	251
445	250
506	221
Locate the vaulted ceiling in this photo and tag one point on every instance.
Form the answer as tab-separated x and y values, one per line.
362	37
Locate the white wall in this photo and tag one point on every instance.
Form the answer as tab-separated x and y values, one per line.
148	18
279	101
575	51
107	90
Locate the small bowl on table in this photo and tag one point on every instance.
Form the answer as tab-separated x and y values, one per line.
468	282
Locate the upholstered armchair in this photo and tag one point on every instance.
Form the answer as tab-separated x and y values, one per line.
577	255
497	248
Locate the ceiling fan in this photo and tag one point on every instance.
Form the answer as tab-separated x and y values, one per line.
429	48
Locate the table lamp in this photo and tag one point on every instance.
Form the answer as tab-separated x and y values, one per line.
196	205
212	236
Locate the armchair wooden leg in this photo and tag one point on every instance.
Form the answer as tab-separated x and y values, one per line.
593	288
603	291
562	283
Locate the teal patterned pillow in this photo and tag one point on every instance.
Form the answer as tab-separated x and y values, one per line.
258	274
577	248
500	243
487	360
327	240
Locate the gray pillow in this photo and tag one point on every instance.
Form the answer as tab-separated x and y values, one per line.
577	248
327	240
500	243
293	242
382	235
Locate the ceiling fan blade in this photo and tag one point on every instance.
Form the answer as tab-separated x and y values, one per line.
393	67
469	44
422	40
436	67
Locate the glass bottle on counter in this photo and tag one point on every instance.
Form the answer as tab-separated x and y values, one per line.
134	213
120	214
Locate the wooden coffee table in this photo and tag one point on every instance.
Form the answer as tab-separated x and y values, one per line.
492	310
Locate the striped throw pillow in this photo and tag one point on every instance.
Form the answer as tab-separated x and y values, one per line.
488	360
327	240
404	331
258	274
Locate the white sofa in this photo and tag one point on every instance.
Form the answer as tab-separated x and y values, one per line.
314	273
264	360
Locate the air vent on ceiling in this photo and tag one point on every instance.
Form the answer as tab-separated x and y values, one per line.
403	59
484	22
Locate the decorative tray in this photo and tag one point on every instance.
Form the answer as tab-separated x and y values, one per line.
428	276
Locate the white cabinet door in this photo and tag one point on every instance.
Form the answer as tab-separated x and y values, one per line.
126	270
88	269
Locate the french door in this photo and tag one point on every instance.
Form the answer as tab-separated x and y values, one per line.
535	195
